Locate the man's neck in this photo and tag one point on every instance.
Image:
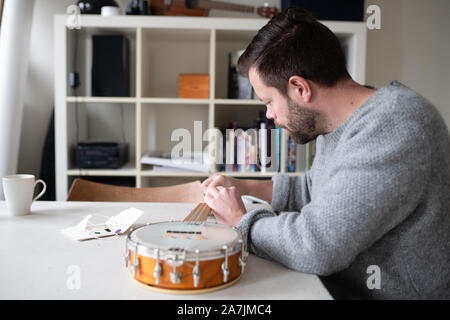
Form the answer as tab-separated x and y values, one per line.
341	101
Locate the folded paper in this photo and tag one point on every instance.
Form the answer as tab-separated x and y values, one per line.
115	225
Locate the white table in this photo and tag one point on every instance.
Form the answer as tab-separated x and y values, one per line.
37	260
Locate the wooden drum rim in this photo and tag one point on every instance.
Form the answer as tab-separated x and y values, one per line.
188	291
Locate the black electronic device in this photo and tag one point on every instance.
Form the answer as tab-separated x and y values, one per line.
101	155
348	10
110	66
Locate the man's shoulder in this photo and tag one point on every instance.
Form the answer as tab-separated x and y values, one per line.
396	106
395	116
397	98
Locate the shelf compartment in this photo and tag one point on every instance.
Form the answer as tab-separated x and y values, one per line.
97	121
166	53
158	122
83	62
245	117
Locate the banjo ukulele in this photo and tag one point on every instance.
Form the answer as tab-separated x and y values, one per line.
189	256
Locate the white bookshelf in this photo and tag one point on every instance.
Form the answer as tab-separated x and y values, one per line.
160	49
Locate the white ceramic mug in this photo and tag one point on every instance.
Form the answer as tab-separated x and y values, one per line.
19	190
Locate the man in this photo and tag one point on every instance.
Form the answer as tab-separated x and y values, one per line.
371	217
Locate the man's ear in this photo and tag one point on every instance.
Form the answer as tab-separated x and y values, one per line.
300	88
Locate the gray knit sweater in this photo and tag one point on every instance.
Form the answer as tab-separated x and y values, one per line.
376	198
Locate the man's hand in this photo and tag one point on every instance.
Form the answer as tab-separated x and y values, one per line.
217	180
226	204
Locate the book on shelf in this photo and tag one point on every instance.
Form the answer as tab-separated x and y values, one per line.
194	161
269	154
250	149
230	140
246	151
297	156
291	158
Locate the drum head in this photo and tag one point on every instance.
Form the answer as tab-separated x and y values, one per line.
186	236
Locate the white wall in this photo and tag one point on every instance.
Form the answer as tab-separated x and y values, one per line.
412	46
14	44
39	86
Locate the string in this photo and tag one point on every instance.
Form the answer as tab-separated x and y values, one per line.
177	241
188	221
198	214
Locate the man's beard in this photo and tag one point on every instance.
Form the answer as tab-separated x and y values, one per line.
302	123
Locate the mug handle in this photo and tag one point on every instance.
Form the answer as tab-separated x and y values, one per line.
43	189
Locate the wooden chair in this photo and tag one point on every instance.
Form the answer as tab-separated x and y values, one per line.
83	190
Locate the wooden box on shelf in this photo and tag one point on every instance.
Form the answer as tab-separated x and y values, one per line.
193	86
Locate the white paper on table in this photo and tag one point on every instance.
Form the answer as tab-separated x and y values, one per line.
116	225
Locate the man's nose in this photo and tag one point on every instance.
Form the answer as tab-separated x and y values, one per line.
270	114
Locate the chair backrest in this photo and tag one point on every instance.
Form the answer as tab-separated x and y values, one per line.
83	190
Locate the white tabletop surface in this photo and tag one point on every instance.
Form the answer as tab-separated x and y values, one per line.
38	260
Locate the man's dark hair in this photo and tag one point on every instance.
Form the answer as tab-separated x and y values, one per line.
292	43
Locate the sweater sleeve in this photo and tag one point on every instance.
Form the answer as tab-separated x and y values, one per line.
291	193
372	184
